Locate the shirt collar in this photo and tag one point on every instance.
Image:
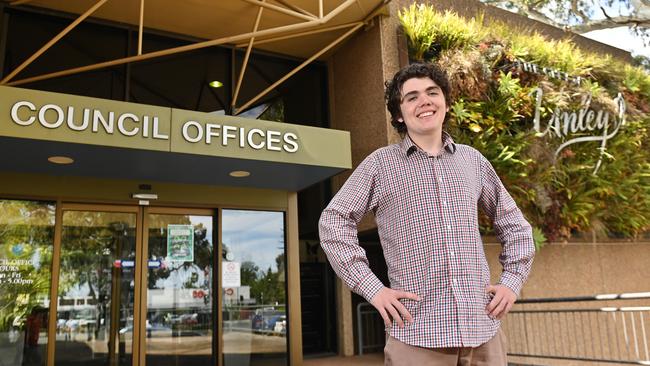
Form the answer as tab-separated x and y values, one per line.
409	147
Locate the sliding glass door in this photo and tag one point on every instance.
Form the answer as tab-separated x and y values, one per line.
96	287
139	285
254	297
180	317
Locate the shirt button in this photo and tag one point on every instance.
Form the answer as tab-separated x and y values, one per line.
451	254
444	203
449	227
455	281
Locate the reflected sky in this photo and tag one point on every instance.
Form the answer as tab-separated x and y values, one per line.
256	236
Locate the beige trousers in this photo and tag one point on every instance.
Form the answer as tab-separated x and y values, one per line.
492	353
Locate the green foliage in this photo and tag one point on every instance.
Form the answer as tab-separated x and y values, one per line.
494	110
539	238
425	27
26	234
636	80
560	54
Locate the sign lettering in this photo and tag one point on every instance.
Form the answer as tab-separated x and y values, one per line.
52	116
592	125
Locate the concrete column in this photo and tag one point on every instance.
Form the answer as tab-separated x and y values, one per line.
345	332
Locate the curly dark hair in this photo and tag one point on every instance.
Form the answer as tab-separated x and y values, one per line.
393	94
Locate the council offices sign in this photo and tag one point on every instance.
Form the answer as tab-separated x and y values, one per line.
74	119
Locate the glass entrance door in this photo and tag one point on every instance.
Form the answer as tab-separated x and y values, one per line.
180	279
135	287
96	286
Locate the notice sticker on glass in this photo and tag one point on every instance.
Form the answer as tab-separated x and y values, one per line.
180	243
230	274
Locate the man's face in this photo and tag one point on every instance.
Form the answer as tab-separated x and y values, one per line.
423	106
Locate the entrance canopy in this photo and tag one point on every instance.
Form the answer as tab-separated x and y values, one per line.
110	139
306	29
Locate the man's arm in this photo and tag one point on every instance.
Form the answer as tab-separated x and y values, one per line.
516	238
338	237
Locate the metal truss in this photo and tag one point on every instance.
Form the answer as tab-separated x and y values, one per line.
309	24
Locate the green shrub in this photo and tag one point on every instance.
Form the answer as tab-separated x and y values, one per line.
424	27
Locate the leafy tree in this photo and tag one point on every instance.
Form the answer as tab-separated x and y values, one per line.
248	273
582	16
643	62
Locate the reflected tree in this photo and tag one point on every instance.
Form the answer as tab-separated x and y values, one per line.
203	252
26	237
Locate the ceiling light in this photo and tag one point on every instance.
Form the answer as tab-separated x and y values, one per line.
63	160
215	84
239	173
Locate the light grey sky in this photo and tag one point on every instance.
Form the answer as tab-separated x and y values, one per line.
620	38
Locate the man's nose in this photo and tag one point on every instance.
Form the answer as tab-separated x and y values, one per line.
425	100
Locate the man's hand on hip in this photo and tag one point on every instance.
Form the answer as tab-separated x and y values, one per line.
502	300
387	303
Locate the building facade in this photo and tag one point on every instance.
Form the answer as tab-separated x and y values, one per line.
164	166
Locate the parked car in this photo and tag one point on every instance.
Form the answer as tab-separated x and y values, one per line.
265	319
281	325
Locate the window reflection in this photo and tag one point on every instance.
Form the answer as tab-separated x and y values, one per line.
179	323
96	289
26	237
254	288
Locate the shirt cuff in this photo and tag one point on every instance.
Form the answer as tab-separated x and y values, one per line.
511	281
369	286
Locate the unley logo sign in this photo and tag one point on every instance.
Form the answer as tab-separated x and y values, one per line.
52	116
590	124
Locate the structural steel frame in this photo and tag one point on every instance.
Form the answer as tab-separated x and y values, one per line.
309	25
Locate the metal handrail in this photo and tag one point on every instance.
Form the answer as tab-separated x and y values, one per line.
610	334
369	316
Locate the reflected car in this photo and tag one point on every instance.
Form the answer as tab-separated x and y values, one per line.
153	330
281	325
188	319
265	323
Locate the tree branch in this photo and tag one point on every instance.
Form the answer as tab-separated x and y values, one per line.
576	10
537	15
611	22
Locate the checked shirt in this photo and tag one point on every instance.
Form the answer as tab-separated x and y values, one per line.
426	208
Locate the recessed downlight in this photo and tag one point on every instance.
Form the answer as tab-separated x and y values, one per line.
239	173
62	160
215	84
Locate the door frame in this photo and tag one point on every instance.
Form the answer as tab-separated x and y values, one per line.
138	346
143	272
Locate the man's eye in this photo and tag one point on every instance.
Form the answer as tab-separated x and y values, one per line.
432	93
411	98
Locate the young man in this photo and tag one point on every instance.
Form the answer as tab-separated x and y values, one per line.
425	192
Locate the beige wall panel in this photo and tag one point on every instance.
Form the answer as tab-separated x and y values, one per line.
583	269
626	267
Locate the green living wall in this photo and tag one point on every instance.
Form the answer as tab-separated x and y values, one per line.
539	110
